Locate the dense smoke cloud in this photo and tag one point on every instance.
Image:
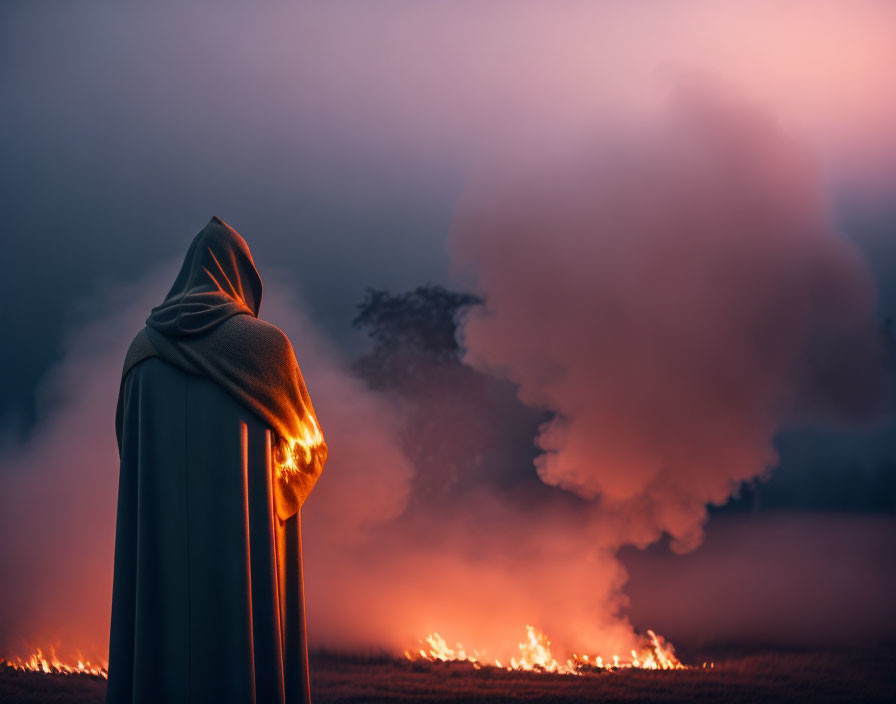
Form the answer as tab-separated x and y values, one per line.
676	298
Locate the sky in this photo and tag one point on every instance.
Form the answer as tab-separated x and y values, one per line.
572	163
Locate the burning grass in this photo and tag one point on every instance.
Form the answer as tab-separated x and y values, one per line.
51	664
816	676
536	656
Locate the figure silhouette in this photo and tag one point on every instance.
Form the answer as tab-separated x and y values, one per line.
219	447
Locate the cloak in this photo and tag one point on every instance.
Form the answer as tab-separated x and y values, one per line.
219	447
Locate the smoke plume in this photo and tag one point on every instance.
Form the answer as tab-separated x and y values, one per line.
675	298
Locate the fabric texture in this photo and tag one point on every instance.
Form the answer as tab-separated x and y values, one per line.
219	448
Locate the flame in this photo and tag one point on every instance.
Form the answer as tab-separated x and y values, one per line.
296	453
38	662
535	656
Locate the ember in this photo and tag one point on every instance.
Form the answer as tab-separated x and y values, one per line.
38	662
535	656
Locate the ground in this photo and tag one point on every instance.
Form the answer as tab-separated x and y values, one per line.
846	676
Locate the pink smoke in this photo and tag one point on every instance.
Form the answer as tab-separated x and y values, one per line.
676	298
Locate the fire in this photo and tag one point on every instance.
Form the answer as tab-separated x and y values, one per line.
439	650
37	662
296	453
535	656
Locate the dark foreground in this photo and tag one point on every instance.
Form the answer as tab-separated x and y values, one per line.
850	676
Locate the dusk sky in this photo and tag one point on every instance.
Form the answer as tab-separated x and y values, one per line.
681	218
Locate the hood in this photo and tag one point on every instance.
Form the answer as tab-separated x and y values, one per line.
217	280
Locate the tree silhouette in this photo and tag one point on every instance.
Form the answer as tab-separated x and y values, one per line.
463	429
424	319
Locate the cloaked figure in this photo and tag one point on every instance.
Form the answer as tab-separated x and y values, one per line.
219	448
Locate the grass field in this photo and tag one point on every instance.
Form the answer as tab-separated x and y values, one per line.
848	676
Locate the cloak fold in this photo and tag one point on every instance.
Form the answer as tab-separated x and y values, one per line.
207	599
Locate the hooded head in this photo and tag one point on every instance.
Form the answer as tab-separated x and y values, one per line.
218	280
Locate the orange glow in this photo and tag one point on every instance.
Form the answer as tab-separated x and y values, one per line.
38	662
295	454
535	656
